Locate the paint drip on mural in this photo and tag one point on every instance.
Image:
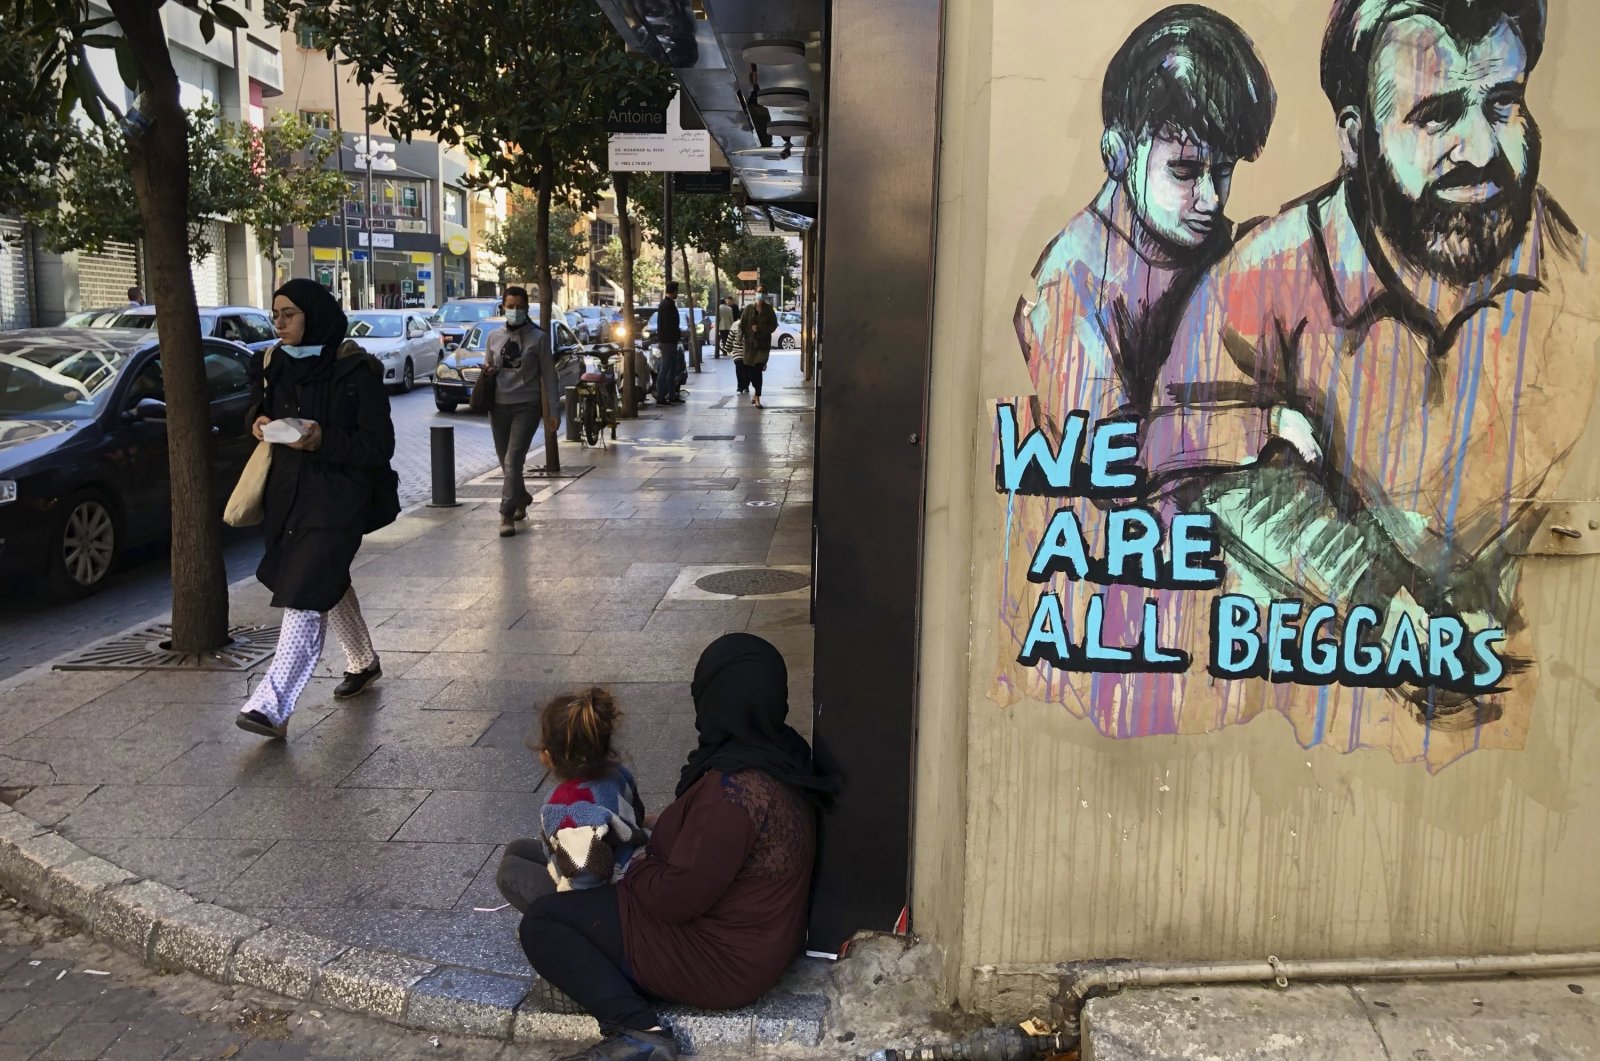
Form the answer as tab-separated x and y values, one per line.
1295	464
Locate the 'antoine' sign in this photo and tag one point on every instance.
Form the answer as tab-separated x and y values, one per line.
636	118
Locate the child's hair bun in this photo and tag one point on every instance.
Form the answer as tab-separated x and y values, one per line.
575	730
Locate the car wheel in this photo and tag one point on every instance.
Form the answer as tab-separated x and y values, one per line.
786	342
444	406
83	544
408	378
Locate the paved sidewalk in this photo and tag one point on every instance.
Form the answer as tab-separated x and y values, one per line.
381	821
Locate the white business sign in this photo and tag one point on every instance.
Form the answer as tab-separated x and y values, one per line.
678	150
379	239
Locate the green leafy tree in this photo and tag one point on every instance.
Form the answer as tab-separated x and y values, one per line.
517	240
33	135
60	33
647	274
527	90
92	201
291	184
768	255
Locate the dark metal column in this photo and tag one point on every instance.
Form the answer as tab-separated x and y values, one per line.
881	134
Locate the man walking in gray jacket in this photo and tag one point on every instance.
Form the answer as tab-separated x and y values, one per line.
519	360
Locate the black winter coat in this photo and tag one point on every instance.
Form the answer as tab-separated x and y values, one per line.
319	503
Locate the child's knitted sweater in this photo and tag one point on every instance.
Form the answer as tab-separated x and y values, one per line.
591	829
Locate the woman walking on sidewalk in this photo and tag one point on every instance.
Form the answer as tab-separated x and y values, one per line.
323	493
756	325
518	360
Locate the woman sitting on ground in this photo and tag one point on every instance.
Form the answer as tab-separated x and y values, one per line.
713	910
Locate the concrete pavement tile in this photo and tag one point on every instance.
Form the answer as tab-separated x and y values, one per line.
483	892
34	1027
365	981
78	761
140	810
475	817
48	804
173	687
212	723
1311	1022
307	814
319	874
463	769
483	941
766	615
396	725
20	718
284	961
708	619
510	642
518	694
108	716
488	666
543	616
394	639
466	1003
510	730
268	763
206	869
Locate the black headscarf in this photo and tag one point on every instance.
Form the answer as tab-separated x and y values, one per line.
741	698
326	324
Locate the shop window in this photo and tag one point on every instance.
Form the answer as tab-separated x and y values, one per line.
454	206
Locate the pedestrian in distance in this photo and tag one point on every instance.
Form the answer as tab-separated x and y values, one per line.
135	296
323	492
756	326
669	340
726	318
519	361
593	821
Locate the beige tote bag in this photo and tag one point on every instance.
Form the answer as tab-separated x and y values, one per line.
246	504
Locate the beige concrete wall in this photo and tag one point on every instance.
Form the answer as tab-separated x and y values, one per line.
1038	839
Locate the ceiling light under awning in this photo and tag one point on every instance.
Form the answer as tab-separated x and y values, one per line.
775	52
789	127
783	98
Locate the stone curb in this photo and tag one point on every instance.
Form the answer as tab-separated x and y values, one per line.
171	930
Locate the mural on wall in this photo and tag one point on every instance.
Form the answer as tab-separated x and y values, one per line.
1296	464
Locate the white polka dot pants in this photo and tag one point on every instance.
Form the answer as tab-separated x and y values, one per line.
300	641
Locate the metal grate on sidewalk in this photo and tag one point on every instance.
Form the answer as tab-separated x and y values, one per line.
147	649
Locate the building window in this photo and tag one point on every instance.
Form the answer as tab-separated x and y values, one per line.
318	119
390	199
454	207
600	232
307	37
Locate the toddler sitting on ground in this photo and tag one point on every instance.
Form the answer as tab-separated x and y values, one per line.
593	821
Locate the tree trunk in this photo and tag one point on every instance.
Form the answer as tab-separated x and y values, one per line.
630	403
160	162
541	255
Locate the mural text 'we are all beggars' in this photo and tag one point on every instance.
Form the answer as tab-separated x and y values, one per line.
1290	640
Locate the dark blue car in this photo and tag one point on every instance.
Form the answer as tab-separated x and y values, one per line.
83	446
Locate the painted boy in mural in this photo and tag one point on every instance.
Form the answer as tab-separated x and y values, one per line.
1184	100
1433	314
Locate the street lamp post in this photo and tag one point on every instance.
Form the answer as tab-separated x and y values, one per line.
344	208
372	254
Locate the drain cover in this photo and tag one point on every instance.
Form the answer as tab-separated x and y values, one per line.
753	582
142	650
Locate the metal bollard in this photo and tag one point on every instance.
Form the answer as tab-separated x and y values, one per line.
442	448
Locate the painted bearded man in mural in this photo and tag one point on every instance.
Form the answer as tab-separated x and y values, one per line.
1430	318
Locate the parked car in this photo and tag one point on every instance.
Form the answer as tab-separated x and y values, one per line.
404	341
95	318
239	324
787	337
701	329
457	316
452	385
591	323
83	446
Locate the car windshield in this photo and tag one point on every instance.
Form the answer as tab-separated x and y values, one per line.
466	312
377	326
479	338
55	380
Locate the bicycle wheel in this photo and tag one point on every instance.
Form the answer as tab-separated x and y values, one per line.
589	419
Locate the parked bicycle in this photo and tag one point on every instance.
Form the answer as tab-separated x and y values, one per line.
594	399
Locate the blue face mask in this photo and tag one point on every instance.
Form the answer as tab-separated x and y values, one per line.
516	318
300	353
